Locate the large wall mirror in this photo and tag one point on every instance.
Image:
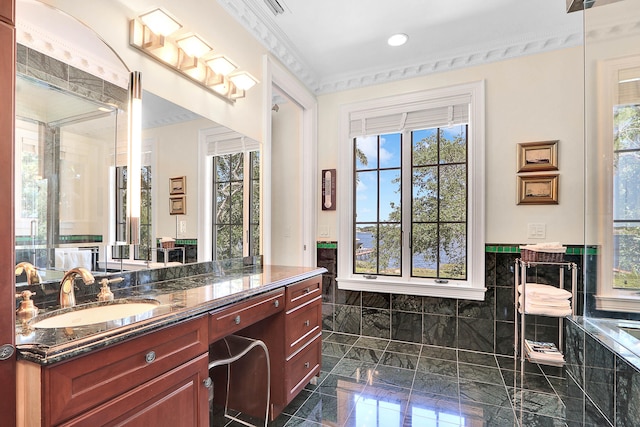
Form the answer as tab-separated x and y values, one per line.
200	189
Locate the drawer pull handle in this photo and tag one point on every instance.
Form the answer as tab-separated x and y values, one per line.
150	357
237	320
276	303
306	291
307	323
307	364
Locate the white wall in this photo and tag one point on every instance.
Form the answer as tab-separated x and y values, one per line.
176	151
533	98
286	181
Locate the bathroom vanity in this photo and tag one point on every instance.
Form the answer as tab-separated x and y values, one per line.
152	369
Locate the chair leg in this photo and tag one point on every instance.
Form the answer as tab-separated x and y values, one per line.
232	358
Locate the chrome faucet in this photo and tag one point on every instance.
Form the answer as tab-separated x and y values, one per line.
33	278
67	296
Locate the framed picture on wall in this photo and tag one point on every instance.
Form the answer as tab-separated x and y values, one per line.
178	205
538	156
178	185
538	190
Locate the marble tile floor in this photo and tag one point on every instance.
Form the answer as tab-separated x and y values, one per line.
370	382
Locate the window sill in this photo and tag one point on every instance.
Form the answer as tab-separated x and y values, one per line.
626	304
390	286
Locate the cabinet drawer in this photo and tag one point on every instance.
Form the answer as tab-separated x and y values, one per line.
303	324
302	367
243	314
73	387
301	292
176	398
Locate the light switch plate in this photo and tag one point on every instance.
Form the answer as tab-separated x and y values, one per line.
536	230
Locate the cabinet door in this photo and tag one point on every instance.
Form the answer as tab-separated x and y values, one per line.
178	398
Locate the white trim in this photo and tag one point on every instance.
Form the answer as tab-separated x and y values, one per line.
384	285
265	29
286	83
207	148
205	210
628	304
607	297
473	288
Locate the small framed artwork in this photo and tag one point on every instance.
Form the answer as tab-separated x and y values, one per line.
178	205
178	185
538	190
538	156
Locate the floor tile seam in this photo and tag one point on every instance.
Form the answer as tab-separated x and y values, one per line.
535	391
463	379
478	364
544	415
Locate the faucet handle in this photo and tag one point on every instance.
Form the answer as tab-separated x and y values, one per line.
105	293
25	295
27	309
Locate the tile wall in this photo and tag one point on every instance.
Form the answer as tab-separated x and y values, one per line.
486	326
601	385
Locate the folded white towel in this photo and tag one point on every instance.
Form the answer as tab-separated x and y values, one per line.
554	247
539	290
546	311
551	303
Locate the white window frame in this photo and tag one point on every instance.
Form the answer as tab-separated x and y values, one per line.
607	297
473	288
213	142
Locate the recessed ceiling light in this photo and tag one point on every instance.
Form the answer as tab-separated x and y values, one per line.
398	39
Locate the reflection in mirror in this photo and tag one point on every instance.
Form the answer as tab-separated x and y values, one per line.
219	174
71	102
71	163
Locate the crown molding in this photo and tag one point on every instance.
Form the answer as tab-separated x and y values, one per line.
262	27
468	58
51	45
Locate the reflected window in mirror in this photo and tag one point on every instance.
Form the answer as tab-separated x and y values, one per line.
620	216
143	251
236	198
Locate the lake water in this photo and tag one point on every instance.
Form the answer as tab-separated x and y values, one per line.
366	242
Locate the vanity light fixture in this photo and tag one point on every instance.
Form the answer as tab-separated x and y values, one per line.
222	65
194	46
243	80
160	22
162	37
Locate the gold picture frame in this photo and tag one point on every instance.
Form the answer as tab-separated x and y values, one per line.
178	185
178	205
538	190
537	156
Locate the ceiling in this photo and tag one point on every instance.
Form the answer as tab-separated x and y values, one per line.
333	45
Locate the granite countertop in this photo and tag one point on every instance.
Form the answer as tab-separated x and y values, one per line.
178	300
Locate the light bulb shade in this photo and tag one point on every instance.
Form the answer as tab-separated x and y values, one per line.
243	80
160	22
194	46
221	65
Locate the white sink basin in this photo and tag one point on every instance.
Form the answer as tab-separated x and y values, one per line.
95	314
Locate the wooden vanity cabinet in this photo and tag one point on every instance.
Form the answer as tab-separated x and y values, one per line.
144	381
159	378
294	339
303	335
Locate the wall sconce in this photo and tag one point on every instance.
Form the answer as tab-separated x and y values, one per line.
160	36
135	157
